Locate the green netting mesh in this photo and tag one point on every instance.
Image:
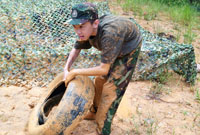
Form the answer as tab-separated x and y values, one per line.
34	45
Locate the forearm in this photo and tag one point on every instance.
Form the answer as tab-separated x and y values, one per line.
72	57
103	69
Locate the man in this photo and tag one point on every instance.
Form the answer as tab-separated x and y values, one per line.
119	41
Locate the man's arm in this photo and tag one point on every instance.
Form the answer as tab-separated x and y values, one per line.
100	70
72	57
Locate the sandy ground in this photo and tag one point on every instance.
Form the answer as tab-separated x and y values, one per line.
172	112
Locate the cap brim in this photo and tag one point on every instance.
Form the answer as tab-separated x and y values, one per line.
75	21
67	22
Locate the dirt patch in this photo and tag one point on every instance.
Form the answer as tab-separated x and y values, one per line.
175	112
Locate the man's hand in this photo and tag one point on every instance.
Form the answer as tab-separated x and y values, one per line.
100	70
72	57
68	76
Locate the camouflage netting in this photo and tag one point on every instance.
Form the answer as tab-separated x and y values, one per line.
34	45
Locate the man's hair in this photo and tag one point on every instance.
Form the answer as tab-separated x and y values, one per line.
92	20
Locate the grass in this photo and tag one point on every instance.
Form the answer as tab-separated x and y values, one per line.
141	8
156	89
185	15
136	127
147	125
188	18
185	113
164	77
197	96
189	35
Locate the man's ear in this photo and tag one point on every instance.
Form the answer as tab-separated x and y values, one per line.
96	23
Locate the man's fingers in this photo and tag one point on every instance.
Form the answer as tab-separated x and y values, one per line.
68	80
66	83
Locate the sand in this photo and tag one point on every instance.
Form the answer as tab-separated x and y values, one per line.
174	111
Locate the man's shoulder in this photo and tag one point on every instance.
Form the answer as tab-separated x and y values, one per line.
111	18
116	24
108	20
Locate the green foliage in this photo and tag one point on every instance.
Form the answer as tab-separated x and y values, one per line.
196	3
156	90
197	95
184	14
132	5
180	11
189	35
151	13
173	2
164	77
142	8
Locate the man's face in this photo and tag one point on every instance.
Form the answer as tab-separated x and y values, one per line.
85	30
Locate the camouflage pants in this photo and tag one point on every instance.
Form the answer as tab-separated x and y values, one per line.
109	90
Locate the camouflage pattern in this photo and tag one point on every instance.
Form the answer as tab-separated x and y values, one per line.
120	75
160	54
83	12
35	43
116	37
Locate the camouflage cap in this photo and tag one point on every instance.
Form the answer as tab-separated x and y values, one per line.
82	13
